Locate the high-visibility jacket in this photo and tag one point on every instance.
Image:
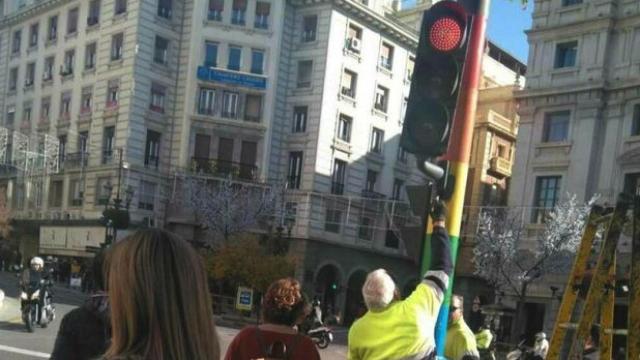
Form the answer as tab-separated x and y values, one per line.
484	338
404	329
460	341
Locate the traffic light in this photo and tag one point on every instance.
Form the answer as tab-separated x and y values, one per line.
436	80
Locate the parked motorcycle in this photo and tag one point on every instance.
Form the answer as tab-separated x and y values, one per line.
36	305
321	336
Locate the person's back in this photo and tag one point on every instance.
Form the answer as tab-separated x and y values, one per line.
390	332
461	342
84	332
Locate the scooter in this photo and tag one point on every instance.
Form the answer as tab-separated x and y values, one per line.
321	336
35	311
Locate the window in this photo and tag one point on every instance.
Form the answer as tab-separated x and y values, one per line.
309	28
160	50
33	35
295	169
215	10
157	98
75	192
377	139
238	12
391	240
333	220
403	111
13	79
398	186
556	127
112	93
207	101
354	38
338	176
635	121
19	196
152	149
365	230
571	2
87	101
382	97
372	179
90	56
117	42
501	151
546	196
17	39
65	105
26	113
72	21
147	194
229	104
62	149
55	193
235	55
299	119
402	155
386	56
38	193
69	60
210	54
411	63
164	8
45	109
349	83
47	73
304	73
344	128
93	17
103	191
257	61
108	138
262	15
11	114
52	32
566	54
83	142
31	74
121	7
253	108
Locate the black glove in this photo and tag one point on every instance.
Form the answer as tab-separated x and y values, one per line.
438	211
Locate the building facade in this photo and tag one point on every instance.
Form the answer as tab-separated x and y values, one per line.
579	117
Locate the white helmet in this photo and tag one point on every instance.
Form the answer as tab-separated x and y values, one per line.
37	261
541	336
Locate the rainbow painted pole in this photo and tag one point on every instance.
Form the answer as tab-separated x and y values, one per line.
458	153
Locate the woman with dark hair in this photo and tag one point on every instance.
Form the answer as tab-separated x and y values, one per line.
283	307
84	332
160	301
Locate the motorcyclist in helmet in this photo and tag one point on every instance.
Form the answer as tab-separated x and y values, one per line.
36	276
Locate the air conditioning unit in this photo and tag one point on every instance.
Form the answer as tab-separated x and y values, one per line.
356	44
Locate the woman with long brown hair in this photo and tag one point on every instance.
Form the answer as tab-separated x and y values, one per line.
160	301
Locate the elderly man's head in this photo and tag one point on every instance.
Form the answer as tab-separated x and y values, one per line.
379	290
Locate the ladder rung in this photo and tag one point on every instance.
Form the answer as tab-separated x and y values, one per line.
607	331
569	325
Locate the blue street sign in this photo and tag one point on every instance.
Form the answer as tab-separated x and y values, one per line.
231	77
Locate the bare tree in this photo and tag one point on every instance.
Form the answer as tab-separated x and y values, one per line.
226	207
509	261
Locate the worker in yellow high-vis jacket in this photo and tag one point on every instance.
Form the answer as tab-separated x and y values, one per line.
461	342
404	329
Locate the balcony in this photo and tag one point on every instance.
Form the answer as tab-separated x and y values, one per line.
373	200
500	167
224	168
76	160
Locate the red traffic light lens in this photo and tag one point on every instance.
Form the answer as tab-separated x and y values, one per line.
445	34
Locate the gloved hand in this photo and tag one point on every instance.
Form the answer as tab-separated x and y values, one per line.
438	211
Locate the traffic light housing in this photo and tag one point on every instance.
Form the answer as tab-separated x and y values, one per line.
436	79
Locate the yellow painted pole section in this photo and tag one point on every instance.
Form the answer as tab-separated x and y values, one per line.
455	205
606	316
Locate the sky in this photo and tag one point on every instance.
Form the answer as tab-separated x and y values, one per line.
507	23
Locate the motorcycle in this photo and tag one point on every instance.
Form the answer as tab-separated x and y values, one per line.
321	336
36	306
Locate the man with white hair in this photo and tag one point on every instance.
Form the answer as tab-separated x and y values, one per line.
404	329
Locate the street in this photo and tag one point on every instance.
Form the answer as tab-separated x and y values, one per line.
17	344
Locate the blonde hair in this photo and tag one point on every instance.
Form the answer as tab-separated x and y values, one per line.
160	300
378	290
